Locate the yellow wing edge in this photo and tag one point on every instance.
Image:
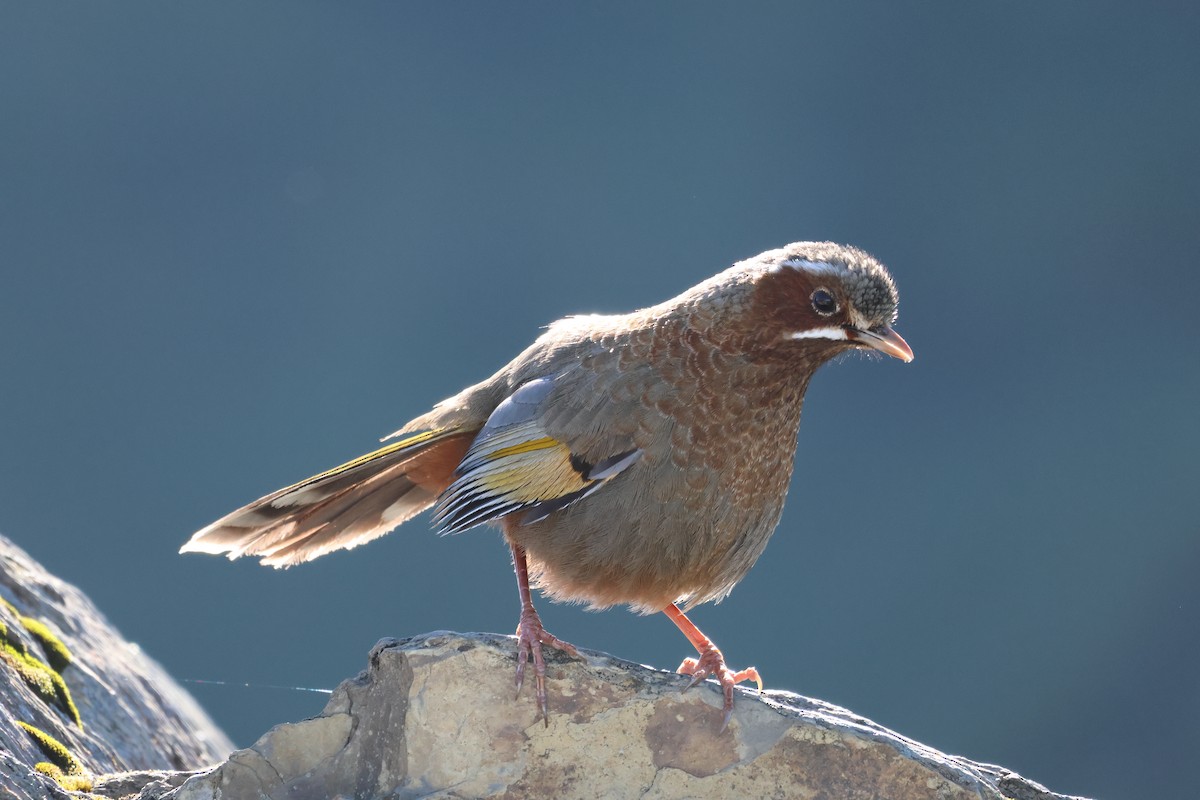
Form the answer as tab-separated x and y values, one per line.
411	441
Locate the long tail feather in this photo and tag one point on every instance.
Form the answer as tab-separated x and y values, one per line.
342	508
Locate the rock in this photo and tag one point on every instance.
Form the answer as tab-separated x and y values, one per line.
434	717
67	678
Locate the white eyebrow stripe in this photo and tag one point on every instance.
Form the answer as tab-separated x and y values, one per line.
805	264
835	333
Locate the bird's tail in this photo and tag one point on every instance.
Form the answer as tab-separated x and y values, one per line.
341	508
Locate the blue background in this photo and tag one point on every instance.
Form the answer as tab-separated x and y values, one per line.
241	241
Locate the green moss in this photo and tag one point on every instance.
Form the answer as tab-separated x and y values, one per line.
63	767
63	696
72	783
56	652
53	749
40	677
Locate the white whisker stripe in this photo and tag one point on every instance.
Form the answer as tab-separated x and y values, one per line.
835	333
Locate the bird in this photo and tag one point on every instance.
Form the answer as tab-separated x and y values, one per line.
637	459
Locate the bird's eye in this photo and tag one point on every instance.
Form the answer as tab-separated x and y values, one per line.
823	302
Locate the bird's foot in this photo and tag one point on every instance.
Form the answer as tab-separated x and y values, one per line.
530	638
711	664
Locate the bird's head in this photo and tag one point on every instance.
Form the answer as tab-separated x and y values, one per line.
814	300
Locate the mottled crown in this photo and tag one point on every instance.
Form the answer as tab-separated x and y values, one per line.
867	283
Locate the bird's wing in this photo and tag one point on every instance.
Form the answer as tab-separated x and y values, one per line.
516	465
342	507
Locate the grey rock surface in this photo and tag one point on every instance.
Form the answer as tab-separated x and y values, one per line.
131	714
434	717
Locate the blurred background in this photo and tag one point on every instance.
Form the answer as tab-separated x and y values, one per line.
239	242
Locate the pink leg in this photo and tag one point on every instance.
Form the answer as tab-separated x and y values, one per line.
531	635
711	662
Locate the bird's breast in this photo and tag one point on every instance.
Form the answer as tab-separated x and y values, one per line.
690	518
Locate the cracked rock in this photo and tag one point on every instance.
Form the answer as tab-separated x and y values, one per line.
434	717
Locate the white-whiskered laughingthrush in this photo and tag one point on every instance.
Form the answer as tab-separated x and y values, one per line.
637	458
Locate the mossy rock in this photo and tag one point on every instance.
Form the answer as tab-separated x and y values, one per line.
57	654
63	767
72	783
38	675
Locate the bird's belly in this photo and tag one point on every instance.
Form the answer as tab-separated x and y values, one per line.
688	535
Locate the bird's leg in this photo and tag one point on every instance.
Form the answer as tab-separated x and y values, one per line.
531	635
711	662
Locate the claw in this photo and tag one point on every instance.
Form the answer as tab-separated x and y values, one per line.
749	674
522	657
530	638
691	666
710	664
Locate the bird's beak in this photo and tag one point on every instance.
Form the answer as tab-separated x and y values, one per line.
883	339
